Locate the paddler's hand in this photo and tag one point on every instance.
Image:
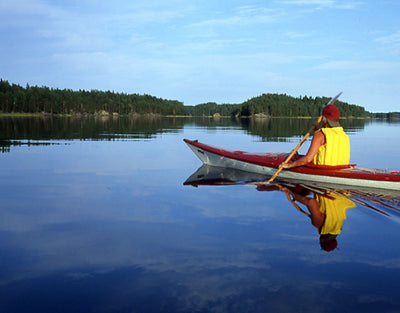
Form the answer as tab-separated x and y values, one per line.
284	166
316	126
282	188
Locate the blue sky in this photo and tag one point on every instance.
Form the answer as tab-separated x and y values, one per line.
207	51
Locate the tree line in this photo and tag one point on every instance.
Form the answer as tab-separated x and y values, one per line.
17	99
390	115
278	105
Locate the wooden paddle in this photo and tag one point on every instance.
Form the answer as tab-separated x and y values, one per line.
301	142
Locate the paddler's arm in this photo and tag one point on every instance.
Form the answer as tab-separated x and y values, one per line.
317	141
317	217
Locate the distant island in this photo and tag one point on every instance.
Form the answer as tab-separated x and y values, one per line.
15	99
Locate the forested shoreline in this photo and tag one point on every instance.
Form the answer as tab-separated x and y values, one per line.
17	99
44	100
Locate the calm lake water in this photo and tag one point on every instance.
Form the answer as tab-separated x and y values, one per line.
95	217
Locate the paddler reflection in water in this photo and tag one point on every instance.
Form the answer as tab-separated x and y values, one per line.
327	213
330	146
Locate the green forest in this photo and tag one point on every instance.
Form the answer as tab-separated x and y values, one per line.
277	105
17	99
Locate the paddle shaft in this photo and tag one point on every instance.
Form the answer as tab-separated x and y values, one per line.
301	142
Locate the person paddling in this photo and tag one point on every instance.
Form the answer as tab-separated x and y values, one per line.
330	144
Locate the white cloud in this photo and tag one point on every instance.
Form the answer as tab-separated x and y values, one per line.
296	35
344	5
391	43
390	39
310	2
27	7
245	15
351	65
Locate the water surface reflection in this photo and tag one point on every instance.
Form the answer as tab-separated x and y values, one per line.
97	220
325	204
36	130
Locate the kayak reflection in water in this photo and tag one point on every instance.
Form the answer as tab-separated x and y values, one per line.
327	212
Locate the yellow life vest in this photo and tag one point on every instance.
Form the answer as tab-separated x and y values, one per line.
334	210
336	150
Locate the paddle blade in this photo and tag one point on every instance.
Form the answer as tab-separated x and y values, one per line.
334	98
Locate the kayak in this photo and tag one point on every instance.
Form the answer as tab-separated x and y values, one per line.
267	164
